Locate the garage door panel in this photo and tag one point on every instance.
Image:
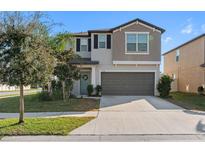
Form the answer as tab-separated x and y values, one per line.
127	83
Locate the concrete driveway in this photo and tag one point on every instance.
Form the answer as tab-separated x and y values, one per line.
142	115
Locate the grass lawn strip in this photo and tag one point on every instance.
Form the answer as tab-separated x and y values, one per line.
12	95
41	126
189	101
33	104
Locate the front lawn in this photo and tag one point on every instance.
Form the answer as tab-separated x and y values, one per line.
42	126
32	104
188	100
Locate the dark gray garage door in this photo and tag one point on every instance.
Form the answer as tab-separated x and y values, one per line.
127	83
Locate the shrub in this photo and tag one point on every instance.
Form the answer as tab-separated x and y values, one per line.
98	89
72	96
90	89
44	96
57	95
164	85
200	90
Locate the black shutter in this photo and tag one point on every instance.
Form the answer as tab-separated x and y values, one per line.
77	44
95	41
89	44
108	41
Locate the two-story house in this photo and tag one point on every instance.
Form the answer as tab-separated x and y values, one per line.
186	65
124	60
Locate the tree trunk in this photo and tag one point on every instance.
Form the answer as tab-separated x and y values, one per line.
69	92
63	88
50	89
21	105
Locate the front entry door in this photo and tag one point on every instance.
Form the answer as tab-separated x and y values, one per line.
84	82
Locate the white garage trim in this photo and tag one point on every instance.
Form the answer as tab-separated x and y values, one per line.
154	71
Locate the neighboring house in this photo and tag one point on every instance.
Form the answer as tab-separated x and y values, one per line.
4	87
124	60
186	65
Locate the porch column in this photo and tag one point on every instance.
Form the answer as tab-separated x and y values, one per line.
93	81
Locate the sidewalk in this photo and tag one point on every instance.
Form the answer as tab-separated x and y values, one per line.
50	114
105	138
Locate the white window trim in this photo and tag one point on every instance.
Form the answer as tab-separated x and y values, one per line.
137	53
99	41
87	44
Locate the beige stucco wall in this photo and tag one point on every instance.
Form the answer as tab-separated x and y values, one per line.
120	68
189	74
119	44
104	56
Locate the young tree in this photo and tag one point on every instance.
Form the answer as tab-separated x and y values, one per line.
25	54
65	71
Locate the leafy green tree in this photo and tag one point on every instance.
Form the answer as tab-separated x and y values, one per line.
64	70
25	52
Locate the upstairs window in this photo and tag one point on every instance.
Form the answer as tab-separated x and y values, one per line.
102	40
177	55
137	42
83	44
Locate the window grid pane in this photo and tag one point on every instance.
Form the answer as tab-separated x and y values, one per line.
131	43
102	40
142	47
131	38
131	47
142	38
101	44
142	42
83	48
84	42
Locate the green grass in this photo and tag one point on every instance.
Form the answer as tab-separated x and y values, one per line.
41	126
32	104
12	95
189	101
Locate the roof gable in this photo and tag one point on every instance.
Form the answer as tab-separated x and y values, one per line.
138	21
